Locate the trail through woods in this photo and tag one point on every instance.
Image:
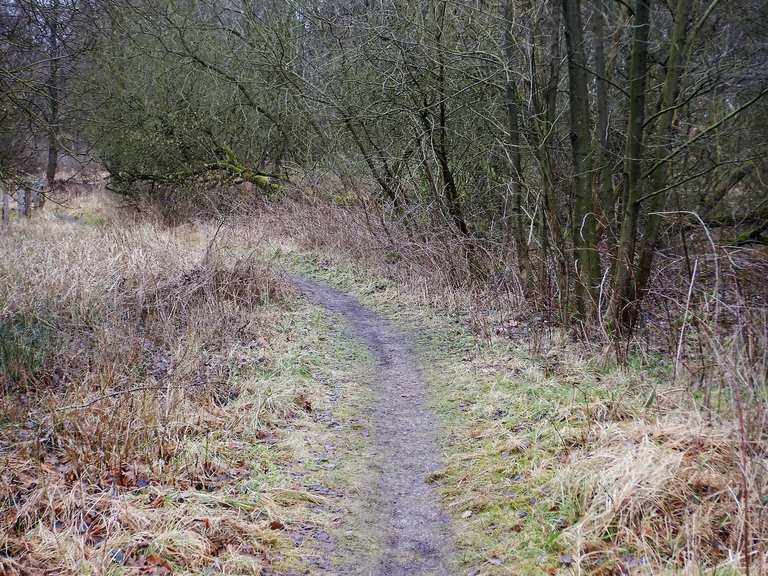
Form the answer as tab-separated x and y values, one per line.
405	509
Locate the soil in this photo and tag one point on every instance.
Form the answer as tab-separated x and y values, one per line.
404	509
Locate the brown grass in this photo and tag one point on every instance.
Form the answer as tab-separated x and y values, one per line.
669	490
428	259
134	425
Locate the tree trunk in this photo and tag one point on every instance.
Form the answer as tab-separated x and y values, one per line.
584	227
625	252
541	129
514	105
450	190
660	177
602	173
52	89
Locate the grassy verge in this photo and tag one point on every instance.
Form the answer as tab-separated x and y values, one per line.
559	462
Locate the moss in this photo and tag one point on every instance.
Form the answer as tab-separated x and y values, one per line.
234	166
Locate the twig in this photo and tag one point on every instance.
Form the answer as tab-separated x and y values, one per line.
213	239
703	133
110	395
685	321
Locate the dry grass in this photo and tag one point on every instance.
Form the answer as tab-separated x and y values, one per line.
139	417
428	260
139	424
669	490
566	467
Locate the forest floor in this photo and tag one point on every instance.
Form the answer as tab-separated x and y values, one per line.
172	405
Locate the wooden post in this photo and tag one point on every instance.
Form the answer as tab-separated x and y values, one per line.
20	209
27	201
6	206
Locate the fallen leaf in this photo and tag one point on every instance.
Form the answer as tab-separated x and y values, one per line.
302	402
152	564
160	565
276	525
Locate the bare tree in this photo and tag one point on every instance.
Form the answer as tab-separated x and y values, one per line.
456	117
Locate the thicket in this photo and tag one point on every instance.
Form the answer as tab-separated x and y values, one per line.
570	149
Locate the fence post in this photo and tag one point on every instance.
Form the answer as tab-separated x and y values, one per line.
27	201
6	206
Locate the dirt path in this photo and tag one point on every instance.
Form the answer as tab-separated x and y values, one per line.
414	530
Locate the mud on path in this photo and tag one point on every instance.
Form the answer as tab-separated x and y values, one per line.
413	529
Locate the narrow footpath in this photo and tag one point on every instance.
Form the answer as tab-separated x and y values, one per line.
414	530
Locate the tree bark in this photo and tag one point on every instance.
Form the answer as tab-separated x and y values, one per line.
602	173
52	89
584	227
659	178
542	128
451	191
514	105
625	252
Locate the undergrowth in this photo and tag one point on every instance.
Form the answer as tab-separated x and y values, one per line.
160	386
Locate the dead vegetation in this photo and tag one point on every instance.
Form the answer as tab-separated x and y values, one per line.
138	423
564	463
140	431
432	262
669	488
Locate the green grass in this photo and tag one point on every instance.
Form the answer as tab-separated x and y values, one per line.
344	364
337	458
535	439
501	514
